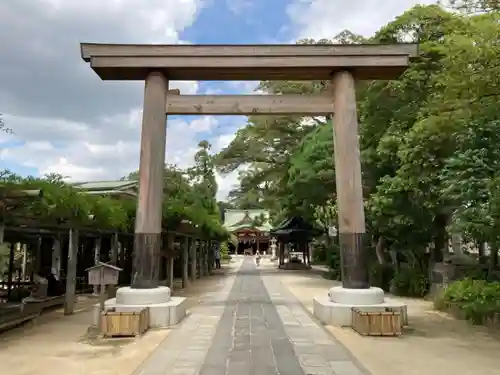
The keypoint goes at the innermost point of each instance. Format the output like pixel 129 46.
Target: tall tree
pixel 475 6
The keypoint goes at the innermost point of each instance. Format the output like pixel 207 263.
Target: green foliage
pixel 473 6
pixel 381 276
pixel 189 196
pixel 60 203
pixel 109 213
pixel 311 176
pixel 319 253
pixel 410 282
pixel 476 299
pixel 224 252
pixel 204 210
pixel 333 261
pixel 429 143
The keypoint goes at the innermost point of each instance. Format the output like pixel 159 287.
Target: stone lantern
pixel 273 248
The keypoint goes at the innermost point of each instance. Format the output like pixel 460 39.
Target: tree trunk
pixel 441 238
pixel 493 259
pixel 380 250
pixel 481 249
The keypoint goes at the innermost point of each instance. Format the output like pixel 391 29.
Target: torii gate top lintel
pixel 248 62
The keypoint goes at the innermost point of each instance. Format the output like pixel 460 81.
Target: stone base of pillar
pixel 164 310
pixel 336 308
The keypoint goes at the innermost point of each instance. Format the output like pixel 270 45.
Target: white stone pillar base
pixel 336 308
pixel 164 310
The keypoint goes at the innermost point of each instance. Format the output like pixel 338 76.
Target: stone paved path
pixel 254 326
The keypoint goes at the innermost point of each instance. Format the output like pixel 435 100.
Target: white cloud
pixel 222 141
pixel 226 183
pixel 74 172
pixel 203 124
pixel 229 181
pixel 326 18
pixel 86 156
pixel 69 121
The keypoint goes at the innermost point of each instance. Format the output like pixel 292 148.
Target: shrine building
pixel 251 228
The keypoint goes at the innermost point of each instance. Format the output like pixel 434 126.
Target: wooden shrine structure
pixel 251 227
pixel 62 250
pixel 298 232
pixel 340 65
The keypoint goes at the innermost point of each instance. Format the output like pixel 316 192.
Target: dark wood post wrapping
pixel 170 260
pixel 115 245
pixel 185 261
pixel 192 249
pixel 210 257
pixel 97 258
pixel 10 275
pixel 202 258
pixel 351 215
pixel 207 258
pixel 37 261
pixel 56 256
pixel 281 252
pixel 147 238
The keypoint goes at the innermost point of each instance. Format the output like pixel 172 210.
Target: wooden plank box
pixel 382 323
pixel 120 324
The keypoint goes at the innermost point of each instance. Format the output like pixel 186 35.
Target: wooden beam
pixel 248 62
pixel 185 262
pixel 249 105
pixel 89 50
pixel 194 258
pixel 238 62
pixel 248 68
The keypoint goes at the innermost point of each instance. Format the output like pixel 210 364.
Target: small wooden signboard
pixel 103 274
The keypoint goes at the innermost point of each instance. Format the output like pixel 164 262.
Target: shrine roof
pixel 239 219
pixel 293 225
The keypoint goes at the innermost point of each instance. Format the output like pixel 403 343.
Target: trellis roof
pixel 110 188
pixel 106 185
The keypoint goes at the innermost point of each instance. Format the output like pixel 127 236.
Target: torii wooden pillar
pixel 351 214
pixel 148 228
pixel 341 64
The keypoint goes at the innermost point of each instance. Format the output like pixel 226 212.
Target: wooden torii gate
pixel 342 65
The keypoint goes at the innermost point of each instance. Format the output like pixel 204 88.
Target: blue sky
pixel 242 21
pixel 237 22
pixel 66 120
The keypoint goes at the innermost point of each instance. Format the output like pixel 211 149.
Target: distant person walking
pixel 217 257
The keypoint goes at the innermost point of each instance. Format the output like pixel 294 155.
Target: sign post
pixel 103 274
